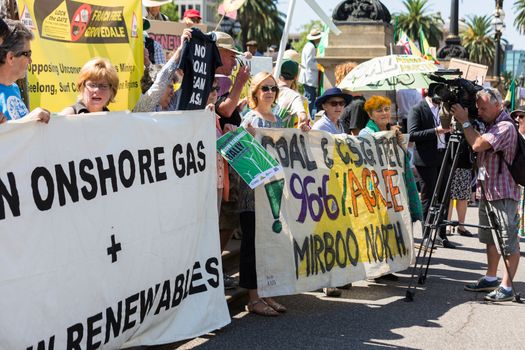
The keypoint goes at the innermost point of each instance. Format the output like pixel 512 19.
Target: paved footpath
pixel 375 315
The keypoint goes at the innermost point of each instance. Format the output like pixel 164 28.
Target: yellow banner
pixel 70 33
pixel 339 214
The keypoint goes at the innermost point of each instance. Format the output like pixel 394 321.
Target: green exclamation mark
pixel 274 191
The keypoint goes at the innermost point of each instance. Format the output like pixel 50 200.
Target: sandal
pixel 259 307
pixel 275 305
pixel 465 233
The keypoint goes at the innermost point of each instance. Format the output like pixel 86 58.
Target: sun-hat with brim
pixel 314 34
pixel 225 41
pixel 332 92
pixel 153 3
pixel 515 112
pixel 192 13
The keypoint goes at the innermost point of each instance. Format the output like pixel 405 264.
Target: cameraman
pixel 500 192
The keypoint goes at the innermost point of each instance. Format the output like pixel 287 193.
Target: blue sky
pixel 303 14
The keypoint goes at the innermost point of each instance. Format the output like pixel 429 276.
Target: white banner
pixel 339 214
pixel 108 231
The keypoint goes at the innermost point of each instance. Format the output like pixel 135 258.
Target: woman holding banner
pixel 263 94
pixel 98 85
pixel 15 57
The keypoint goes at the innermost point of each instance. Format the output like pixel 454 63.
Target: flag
pixel 511 95
pixel 409 45
pixel 425 47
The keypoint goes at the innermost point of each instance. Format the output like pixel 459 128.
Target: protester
pixel 332 103
pixel 309 75
pixel 519 116
pixel 15 57
pixel 263 95
pixel 251 46
pixel 153 9
pixel 191 17
pixel 496 189
pixel 406 99
pixel 424 127
pixel 273 51
pixel 290 102
pixel 154 54
pixel 98 86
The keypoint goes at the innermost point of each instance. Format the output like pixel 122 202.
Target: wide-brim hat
pixel 154 3
pixel 332 92
pixel 314 34
pixel 516 111
pixel 293 55
pixel 225 41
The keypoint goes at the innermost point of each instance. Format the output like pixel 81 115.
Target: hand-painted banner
pixel 70 33
pixel 109 231
pixel 339 214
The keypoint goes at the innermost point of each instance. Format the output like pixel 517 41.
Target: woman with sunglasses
pixel 332 103
pixel 15 57
pixel 261 100
pixel 98 84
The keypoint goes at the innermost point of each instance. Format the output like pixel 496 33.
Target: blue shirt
pixel 11 103
pixel 325 124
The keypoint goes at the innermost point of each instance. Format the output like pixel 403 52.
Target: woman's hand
pixel 304 126
pixel 229 127
pixel 186 35
pixel 39 114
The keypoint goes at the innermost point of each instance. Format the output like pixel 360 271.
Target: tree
pixel 519 9
pixel 261 21
pixel 416 17
pixel 478 39
pixel 171 11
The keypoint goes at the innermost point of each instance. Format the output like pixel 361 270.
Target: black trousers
pixel 429 176
pixel 247 270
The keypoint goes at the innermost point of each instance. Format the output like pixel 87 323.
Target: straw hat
pixel 314 34
pixel 225 41
pixel 154 3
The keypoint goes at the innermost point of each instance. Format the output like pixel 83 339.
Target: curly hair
pixel 256 84
pixel 376 102
pixel 341 70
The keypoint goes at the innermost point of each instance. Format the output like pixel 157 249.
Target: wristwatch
pixel 466 124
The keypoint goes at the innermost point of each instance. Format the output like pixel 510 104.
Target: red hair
pixel 376 102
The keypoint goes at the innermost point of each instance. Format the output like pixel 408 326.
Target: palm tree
pixel 260 20
pixel 519 22
pixel 416 17
pixel 478 39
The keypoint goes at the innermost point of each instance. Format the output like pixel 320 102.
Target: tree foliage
pixel 261 21
pixel 478 39
pixel 417 16
pixel 519 9
pixel 171 11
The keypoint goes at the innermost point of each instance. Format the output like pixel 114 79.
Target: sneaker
pixel 445 243
pixel 499 294
pixel 332 292
pixel 229 282
pixel 482 285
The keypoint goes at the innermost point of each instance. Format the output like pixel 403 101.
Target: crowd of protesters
pixel 290 101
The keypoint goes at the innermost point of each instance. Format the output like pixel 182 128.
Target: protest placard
pixel 70 33
pixel 109 231
pixel 168 33
pixel 339 214
pixel 257 64
pixel 247 157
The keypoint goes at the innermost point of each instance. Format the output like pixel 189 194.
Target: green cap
pixel 289 69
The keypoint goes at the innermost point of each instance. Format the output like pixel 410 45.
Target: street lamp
pixel 498 25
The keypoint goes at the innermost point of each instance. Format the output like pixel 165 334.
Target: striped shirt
pixel 498 182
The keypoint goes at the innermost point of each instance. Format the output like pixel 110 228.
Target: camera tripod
pixel 437 217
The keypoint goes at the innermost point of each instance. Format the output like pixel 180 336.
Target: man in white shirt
pixel 309 74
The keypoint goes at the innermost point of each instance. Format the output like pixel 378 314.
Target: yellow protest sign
pixel 339 214
pixel 67 34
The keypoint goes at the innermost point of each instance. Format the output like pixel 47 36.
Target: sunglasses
pixel 24 53
pixel 267 88
pixel 215 88
pixel 337 103
pixel 102 86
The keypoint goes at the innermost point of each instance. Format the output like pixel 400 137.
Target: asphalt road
pixel 376 315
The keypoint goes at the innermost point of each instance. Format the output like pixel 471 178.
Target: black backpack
pixel 517 166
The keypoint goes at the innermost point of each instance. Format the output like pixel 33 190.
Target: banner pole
pixel 284 40
pixel 218 24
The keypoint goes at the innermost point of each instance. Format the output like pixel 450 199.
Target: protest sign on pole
pixel 168 34
pixel 67 34
pixel 247 157
pixel 109 231
pixel 339 214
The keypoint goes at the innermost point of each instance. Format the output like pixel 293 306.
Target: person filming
pixel 495 188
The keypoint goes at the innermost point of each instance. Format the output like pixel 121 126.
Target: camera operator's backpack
pixel 517 166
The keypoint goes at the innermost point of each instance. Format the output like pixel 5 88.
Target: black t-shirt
pixel 234 118
pixel 199 59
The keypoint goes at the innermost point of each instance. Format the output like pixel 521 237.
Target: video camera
pixel 456 90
